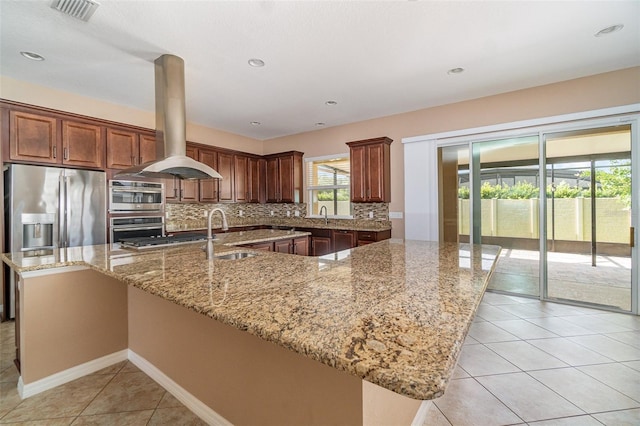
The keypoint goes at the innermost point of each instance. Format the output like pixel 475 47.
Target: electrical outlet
pixel 297 213
pixel 288 213
pixel 240 213
pixel 204 213
pixel 370 215
pixel 272 213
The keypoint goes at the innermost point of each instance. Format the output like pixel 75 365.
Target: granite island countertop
pixel 394 313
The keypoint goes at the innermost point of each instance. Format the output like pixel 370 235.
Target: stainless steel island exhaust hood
pixel 171 128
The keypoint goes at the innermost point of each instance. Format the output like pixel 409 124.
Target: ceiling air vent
pixel 79 9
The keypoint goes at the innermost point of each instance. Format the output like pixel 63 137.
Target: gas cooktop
pixel 157 242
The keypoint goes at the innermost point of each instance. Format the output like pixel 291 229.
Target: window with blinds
pixel 328 184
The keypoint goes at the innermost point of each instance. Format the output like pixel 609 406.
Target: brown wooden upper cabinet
pixel 208 187
pixel 48 140
pixel 284 177
pixel 126 148
pixel 370 170
pixel 239 173
pixel 184 190
pixel 256 169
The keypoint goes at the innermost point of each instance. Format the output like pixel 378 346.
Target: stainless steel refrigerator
pixel 50 207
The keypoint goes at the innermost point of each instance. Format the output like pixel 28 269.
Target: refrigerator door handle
pixel 67 216
pixel 62 223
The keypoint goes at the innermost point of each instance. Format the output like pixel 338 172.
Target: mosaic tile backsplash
pixel 191 216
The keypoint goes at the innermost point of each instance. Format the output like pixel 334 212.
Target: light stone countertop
pixel 394 313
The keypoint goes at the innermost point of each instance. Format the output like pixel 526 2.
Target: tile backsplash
pixel 186 216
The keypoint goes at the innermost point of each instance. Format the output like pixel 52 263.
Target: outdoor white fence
pixel 571 220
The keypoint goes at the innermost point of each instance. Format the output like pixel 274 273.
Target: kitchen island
pixel 275 338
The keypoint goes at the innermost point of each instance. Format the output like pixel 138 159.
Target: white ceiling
pixel 373 58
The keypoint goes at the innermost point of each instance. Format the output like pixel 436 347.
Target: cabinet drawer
pixel 367 235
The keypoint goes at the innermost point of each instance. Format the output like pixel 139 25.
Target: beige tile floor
pixel 538 363
pixel 118 395
pixel 523 362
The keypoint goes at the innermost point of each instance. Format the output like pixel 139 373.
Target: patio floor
pixel 570 277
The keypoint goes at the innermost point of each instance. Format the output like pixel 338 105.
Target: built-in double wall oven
pixel 136 209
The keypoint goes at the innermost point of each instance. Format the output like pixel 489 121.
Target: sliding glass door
pixel 588 253
pixel 505 186
pixel 558 202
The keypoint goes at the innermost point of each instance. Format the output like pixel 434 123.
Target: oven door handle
pixel 143 191
pixel 135 227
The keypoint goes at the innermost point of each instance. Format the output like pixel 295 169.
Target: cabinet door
pixel 273 181
pixel 147 149
pixel 375 170
pixel 171 189
pixel 320 246
pixel 122 149
pixel 301 246
pixel 282 246
pixel 254 180
pixel 209 187
pixel 189 188
pixel 358 174
pixel 33 138
pixel 241 188
pixel 343 240
pixel 82 145
pixel 225 185
pixel 286 179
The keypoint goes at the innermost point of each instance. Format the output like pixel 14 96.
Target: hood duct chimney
pixel 171 128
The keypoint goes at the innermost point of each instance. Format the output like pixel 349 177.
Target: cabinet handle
pixel 175 192
pixel 632 237
pixel 133 160
pixel 65 153
pixel 181 193
pixel 55 151
pixel 139 160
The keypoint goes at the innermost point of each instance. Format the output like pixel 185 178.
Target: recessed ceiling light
pixel 331 103
pixel 255 123
pixel 255 62
pixel 455 71
pixel 32 56
pixel 320 124
pixel 609 30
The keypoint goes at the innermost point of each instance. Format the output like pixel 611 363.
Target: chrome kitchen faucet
pixel 225 227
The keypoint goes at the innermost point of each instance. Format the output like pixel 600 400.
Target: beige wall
pixel 28 93
pixel 92 323
pixel 583 94
pixel 243 378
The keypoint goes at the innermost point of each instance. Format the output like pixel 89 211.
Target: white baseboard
pixel 421 414
pixel 191 402
pixel 70 374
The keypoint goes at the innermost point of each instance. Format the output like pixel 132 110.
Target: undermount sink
pixel 235 256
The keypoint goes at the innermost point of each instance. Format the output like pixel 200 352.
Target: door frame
pixel 472 136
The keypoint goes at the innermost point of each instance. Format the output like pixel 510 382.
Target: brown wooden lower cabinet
pixel 299 246
pixel 268 246
pixel 368 237
pixel 321 241
pixel 344 239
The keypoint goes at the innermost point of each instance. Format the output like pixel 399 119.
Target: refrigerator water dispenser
pixel 37 231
